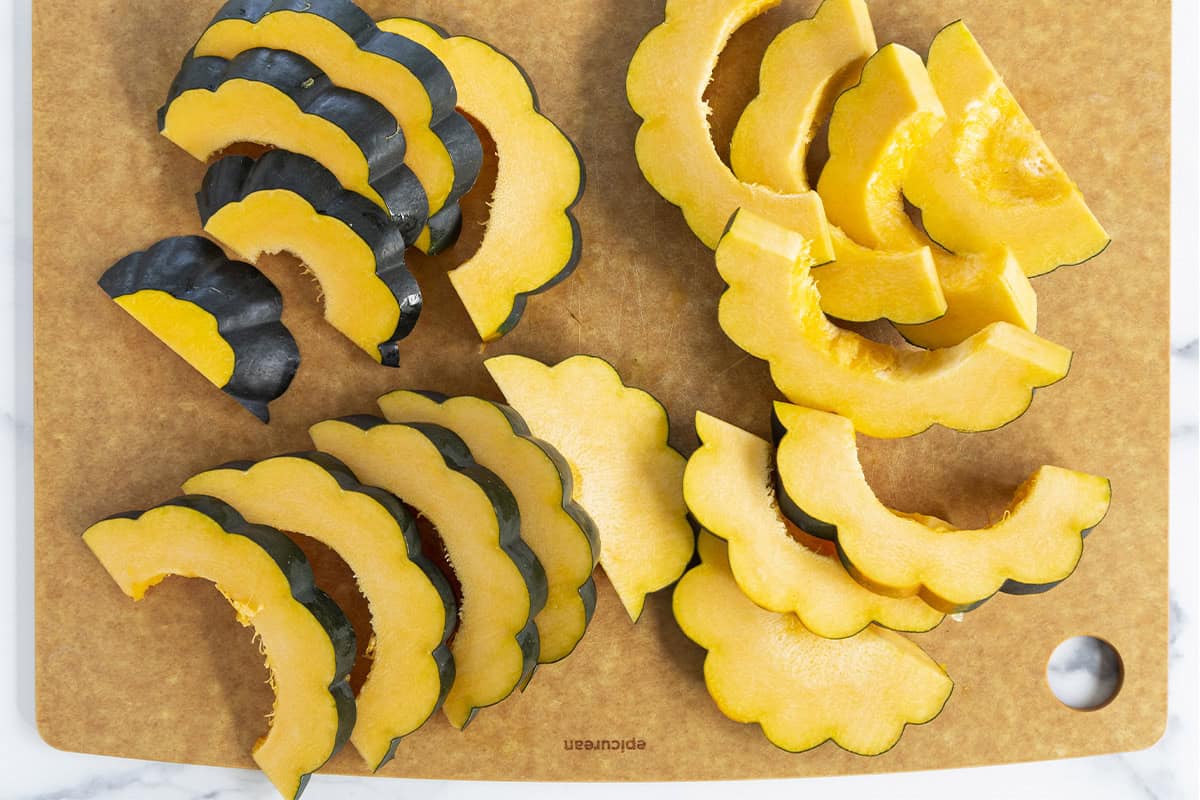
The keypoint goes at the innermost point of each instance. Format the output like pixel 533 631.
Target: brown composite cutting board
pixel 121 422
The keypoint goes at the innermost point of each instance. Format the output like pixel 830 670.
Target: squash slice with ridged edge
pixel 411 603
pixel 987 179
pixel 772 311
pixel 343 41
pixel 729 489
pixel 803 689
pixel 614 438
pixel 556 528
pixel 532 241
pixel 502 584
pixel 308 642
pixel 876 130
pixel 1038 542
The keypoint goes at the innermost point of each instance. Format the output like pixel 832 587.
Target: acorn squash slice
pixel 729 489
pixel 286 201
pixel 821 488
pixel 411 603
pixel 614 437
pixel 532 241
pixel 876 130
pixel 280 99
pixel 308 642
pixel 502 584
pixel 803 689
pixel 665 84
pixel 556 528
pixel 987 179
pixel 772 311
pixel 407 79
pixel 220 316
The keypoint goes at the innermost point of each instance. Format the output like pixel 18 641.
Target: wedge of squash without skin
pixel 280 99
pixel 1037 543
pixel 308 643
pixel 532 241
pixel 728 487
pixel 412 606
pixel 630 480
pixel 286 201
pixel 220 316
pixel 503 585
pixel 408 80
pixel 987 179
pixel 772 311
pixel 804 690
pixel 556 528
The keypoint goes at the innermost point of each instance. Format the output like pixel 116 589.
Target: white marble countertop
pixel 34 771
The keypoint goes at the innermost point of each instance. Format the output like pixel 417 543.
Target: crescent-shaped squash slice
pixel 286 201
pixel 987 179
pixel 665 84
pixel 532 240
pixel 556 528
pixel 803 689
pixel 220 316
pixel 728 487
pixel 411 603
pixel 408 80
pixel 772 311
pixel 821 488
pixel 876 130
pixel 280 99
pixel 308 643
pixel 502 584
pixel 615 439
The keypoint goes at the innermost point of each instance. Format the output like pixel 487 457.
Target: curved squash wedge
pixel 532 241
pixel 665 85
pixel 286 201
pixel 804 690
pixel 876 130
pixel 308 643
pixel 615 439
pixel 863 285
pixel 728 488
pixel 220 316
pixel 772 311
pixel 1038 542
pixel 987 179
pixel 412 606
pixel 342 41
pixel 503 586
pixel 556 528
pixel 280 99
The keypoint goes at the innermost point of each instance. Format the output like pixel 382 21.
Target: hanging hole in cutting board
pixel 1085 673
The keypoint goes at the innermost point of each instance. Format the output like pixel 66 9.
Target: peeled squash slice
pixel 1037 543
pixel 803 689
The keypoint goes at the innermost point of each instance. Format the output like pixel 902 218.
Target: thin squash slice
pixel 987 179
pixel 287 201
pixel 729 489
pixel 630 480
pixel 408 80
pixel 1037 543
pixel 772 311
pixel 220 316
pixel 308 642
pixel 532 241
pixel 412 606
pixel 556 528
pixel 803 689
pixel 502 584
pixel 875 132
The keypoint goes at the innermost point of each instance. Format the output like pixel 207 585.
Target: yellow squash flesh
pixel 184 327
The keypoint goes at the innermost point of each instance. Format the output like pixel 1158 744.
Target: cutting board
pixel 121 422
